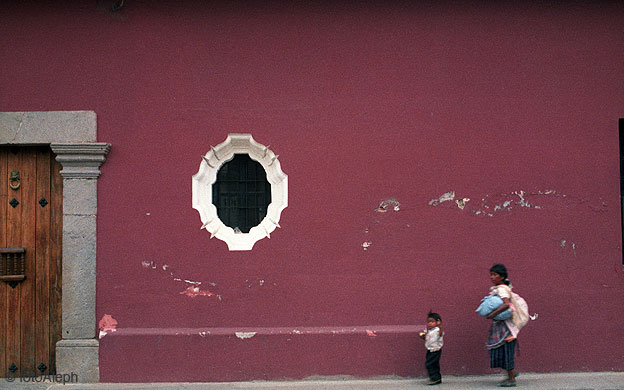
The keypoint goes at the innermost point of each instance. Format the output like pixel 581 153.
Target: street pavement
pixel 558 381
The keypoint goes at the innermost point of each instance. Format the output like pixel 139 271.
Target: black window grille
pixel 241 193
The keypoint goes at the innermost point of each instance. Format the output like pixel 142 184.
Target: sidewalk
pixel 558 381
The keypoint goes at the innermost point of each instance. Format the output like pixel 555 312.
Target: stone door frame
pixel 72 136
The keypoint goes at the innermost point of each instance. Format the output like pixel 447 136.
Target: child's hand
pixel 422 334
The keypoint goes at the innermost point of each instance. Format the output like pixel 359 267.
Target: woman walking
pixel 502 337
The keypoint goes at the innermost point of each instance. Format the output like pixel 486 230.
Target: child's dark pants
pixel 432 363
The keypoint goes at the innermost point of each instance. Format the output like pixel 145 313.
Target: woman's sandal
pixel 507 383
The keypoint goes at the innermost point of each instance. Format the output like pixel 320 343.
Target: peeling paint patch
pixel 385 204
pixel 461 203
pixel 245 335
pixel 148 264
pixel 253 283
pixel 492 205
pixel 204 334
pixel 107 324
pixel 570 244
pixel 447 196
pixel 371 333
pixel 193 291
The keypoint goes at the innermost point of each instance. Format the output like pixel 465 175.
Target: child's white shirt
pixel 434 340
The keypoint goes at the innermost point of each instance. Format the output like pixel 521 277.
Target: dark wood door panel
pixel 31 218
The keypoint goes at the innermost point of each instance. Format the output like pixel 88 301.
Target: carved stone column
pixel 77 351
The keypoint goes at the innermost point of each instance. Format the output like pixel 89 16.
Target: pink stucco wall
pixel 363 103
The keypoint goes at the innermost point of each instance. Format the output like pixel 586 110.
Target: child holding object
pixel 433 342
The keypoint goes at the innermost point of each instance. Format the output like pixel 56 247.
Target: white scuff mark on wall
pixel 189 281
pixel 245 335
pixel 534 317
pixel 366 245
pixel 447 196
pixel 204 334
pixel 371 333
pixel 17 131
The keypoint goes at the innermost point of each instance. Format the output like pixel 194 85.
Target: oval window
pixel 241 193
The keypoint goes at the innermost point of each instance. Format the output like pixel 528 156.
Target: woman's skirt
pixel 503 356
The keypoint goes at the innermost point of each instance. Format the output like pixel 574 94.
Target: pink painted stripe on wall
pixel 268 331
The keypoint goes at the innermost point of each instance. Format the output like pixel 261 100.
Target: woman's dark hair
pixel 502 271
pixel 435 316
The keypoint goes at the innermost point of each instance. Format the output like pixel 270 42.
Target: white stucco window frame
pixel 207 175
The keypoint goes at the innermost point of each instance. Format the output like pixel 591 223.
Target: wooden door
pixel 30 218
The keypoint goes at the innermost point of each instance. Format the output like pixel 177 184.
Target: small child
pixel 433 342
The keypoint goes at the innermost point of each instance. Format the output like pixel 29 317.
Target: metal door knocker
pixel 14 178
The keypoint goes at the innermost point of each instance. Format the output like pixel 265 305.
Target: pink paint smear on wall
pixel 193 291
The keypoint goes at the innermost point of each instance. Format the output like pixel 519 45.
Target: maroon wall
pixel 363 103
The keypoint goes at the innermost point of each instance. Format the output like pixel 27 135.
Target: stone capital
pixel 81 160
